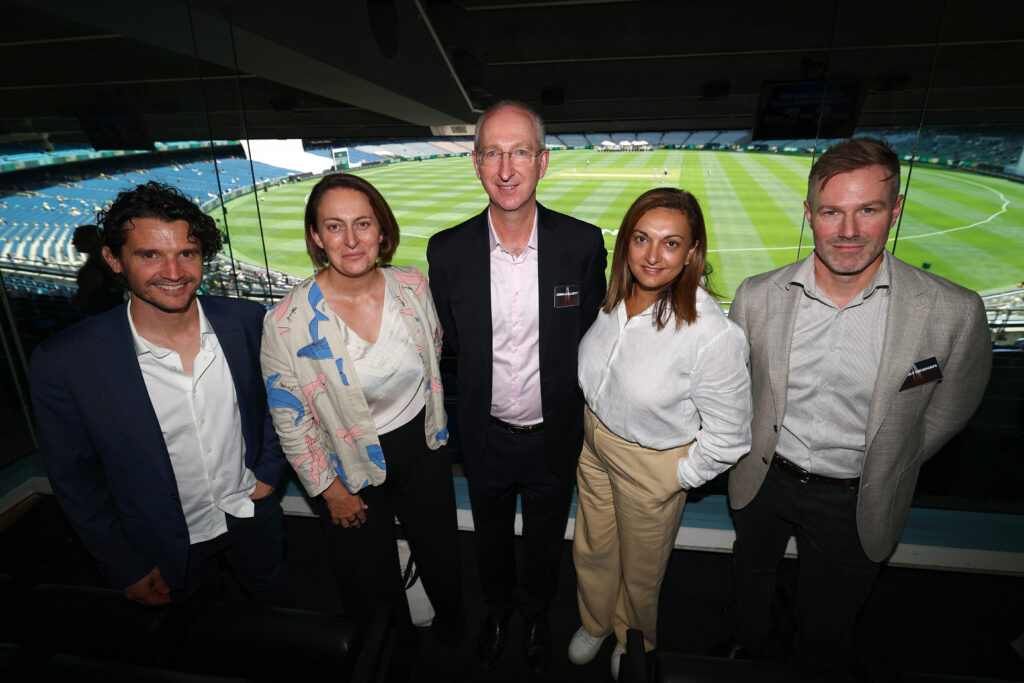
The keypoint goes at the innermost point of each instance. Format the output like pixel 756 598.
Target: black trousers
pixel 420 491
pixel 515 465
pixel 253 548
pixel 834 576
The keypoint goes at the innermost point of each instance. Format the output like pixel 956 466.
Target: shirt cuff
pixel 686 473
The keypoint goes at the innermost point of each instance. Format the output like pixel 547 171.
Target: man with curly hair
pixel 153 421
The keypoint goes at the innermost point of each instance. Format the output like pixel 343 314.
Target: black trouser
pixel 516 464
pixel 253 547
pixel 420 491
pixel 834 575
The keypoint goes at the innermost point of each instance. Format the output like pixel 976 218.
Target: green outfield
pixel 970 228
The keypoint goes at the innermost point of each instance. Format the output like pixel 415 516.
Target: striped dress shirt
pixel 833 362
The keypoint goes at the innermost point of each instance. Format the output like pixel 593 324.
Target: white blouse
pixel 390 370
pixel 663 389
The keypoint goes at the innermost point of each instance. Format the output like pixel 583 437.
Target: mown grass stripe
pixel 750 201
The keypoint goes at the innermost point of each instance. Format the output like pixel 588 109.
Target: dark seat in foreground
pixel 86 633
pixel 668 667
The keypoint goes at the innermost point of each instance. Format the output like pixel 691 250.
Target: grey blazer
pixel 927 316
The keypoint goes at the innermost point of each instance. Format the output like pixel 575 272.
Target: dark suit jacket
pixel 103 447
pixel 570 252
pixel 927 317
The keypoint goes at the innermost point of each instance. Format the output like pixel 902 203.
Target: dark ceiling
pixel 175 70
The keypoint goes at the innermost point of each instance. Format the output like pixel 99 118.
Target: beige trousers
pixel 627 517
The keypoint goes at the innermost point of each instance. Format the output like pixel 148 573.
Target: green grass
pixel 970 228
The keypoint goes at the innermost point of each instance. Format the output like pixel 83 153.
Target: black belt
pixel 517 429
pixel 805 477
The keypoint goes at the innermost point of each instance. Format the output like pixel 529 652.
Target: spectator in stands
pixel 514 319
pixel 862 368
pixel 152 422
pixel 664 375
pixel 98 288
pixel 351 361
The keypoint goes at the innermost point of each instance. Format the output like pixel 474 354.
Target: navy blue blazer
pixel 102 444
pixel 569 252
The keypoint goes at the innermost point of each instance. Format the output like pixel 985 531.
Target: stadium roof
pixel 394 68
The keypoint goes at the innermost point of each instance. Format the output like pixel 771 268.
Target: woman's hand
pixel 347 509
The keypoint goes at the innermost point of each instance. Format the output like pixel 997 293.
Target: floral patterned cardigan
pixel 315 398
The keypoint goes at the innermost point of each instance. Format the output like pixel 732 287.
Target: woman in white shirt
pixel 350 359
pixel 664 375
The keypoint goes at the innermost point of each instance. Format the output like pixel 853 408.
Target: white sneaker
pixel 616 656
pixel 583 647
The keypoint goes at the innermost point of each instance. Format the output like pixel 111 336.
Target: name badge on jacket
pixel 567 296
pixel 923 372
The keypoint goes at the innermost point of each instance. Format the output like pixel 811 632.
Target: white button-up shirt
pixel 665 388
pixel 199 418
pixel 390 370
pixel 515 325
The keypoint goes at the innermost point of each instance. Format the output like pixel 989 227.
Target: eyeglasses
pixel 492 157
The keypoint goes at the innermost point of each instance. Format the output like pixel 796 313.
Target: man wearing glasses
pixel 516 287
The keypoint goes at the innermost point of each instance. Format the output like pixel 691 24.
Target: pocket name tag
pixel 923 372
pixel 567 296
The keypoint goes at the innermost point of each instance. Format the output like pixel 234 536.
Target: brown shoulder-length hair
pixel 381 211
pixel 678 299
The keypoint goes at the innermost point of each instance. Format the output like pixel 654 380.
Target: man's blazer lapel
pixel 129 396
pixel 478 274
pixel 780 315
pixel 549 262
pixel 905 325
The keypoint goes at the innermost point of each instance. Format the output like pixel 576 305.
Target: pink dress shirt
pixel 515 323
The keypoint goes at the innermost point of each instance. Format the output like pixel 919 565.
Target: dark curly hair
pixel 162 202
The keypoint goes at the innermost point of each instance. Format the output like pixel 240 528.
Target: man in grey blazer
pixel 862 368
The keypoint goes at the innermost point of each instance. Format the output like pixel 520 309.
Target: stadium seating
pixel 733 137
pixel 701 137
pixel 376 150
pixel 320 152
pixel 38 221
pixel 424 148
pixel 675 138
pixel 652 137
pixel 29 151
pixel 228 278
pixel 361 154
pixel 454 145
pixel 994 145
pixel 574 140
pixel 38 217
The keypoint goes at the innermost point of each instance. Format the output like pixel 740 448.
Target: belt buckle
pixel 513 428
pixel 793 470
